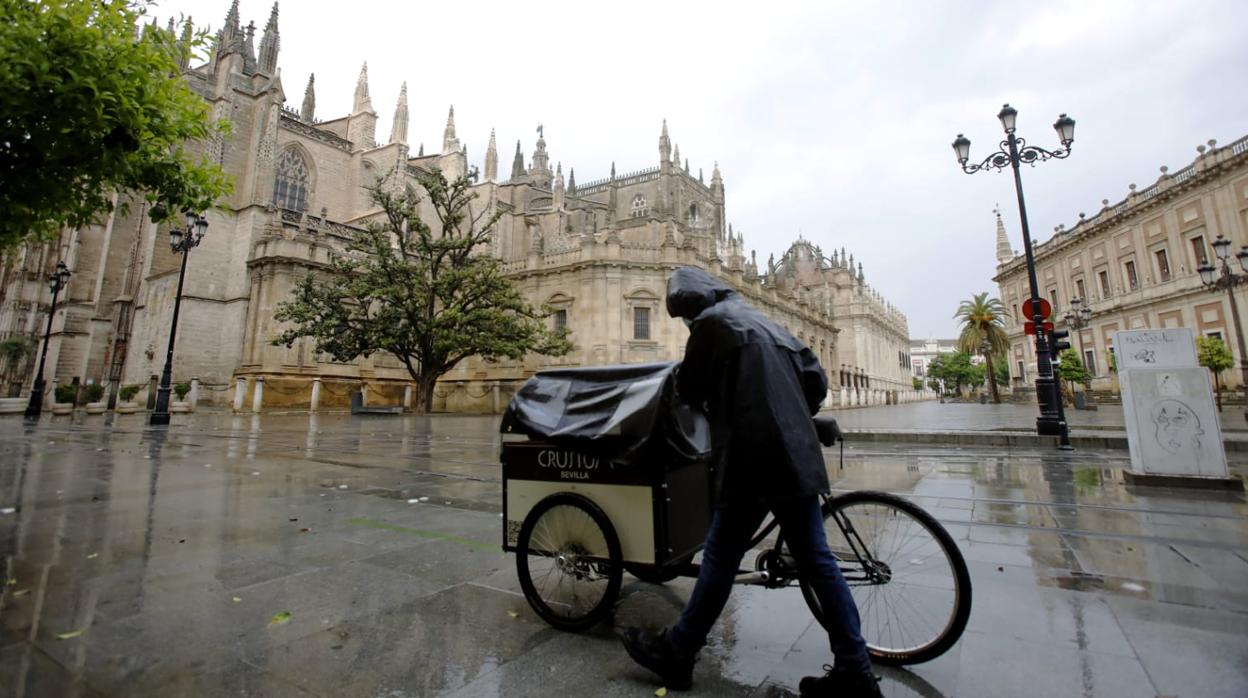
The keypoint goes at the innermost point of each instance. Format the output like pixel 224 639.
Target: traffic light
pixel 1058 345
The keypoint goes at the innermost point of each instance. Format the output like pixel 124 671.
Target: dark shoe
pixel 841 683
pixel 658 654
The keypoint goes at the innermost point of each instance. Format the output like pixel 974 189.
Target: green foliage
pixel 1001 370
pixel 956 370
pixel 66 394
pixel 95 392
pixel 1212 353
pixel 128 392
pixel 1111 360
pixel 90 110
pixel 916 382
pixel 181 389
pixel 1072 369
pixel 16 348
pixel 983 332
pixel 430 298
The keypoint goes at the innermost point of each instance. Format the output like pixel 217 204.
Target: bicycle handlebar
pixel 828 430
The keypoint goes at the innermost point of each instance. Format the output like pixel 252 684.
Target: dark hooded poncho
pixel 760 386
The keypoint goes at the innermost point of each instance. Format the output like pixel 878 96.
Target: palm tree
pixel 983 332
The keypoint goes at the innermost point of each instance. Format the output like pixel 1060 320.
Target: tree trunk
pixel 422 401
pixel 992 378
pixel 1217 390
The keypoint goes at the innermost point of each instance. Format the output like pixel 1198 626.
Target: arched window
pixel 290 188
pixel 693 214
pixel 639 206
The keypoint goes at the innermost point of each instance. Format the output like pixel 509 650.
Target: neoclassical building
pixel 1134 263
pixel 597 252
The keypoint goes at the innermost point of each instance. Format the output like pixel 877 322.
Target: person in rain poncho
pixel 760 387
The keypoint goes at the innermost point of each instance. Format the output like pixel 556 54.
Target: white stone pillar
pixel 257 400
pixel 194 396
pixel 496 398
pixel 240 394
pixel 844 397
pixel 407 397
pixel 316 395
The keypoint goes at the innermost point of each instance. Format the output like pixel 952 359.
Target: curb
pixel 1016 440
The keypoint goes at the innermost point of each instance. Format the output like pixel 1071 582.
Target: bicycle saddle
pixel 828 430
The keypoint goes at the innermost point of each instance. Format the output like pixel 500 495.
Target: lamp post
pixel 57 280
pixel 179 241
pixel 1229 280
pixel 1077 317
pixel 1014 152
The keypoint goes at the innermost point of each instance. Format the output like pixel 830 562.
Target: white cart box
pixel 1167 401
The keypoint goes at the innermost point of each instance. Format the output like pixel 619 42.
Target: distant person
pixel 760 387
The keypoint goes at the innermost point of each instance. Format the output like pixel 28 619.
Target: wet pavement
pixel 326 555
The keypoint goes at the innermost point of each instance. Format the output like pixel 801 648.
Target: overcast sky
pixel 830 120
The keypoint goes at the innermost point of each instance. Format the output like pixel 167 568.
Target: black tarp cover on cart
pixel 623 413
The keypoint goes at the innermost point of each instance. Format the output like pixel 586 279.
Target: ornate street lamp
pixel 1015 151
pixel 57 280
pixel 179 241
pixel 1077 317
pixel 1228 280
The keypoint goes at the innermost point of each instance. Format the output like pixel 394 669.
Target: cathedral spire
pixel 491 160
pixel 398 131
pixel 557 189
pixel 270 44
pixel 517 164
pixel 1004 252
pixel 362 102
pixel 676 157
pixel 665 146
pixel 308 112
pixel 572 181
pixel 450 143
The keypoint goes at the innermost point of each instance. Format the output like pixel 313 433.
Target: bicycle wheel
pixel 569 562
pixel 906 574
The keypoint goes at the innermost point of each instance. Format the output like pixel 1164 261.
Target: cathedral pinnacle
pixel 517 164
pixel 665 145
pixel 249 50
pixel 308 112
pixel 398 131
pixel 450 143
pixel 572 181
pixel 676 157
pixel 362 102
pixel 270 44
pixel 1004 252
pixel 491 159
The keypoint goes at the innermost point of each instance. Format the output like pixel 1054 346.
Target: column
pixel 257 400
pixel 316 395
pixel 240 394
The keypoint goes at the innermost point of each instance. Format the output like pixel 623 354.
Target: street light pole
pixel 1229 280
pixel 1015 152
pixel 57 280
pixel 196 226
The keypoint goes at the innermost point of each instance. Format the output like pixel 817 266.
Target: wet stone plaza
pixel 330 555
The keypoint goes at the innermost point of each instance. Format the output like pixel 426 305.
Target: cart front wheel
pixel 569 562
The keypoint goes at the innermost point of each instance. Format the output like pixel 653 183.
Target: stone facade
pixel 1135 264
pixel 597 253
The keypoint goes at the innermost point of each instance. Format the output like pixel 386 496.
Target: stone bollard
pixel 257 399
pixel 407 398
pixel 240 394
pixel 193 397
pixel 316 395
pixel 495 397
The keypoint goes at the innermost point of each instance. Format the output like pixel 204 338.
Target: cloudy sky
pixel 830 120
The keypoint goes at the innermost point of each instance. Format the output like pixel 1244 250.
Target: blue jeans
pixel 801 521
